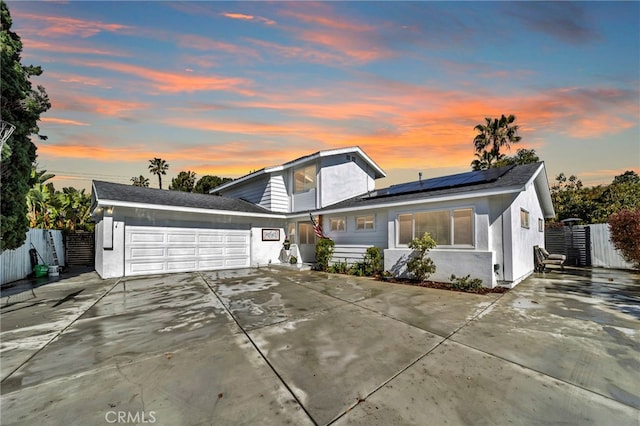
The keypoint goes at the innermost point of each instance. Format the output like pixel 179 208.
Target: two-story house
pixel 486 223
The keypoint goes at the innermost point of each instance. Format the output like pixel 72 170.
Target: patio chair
pixel 543 258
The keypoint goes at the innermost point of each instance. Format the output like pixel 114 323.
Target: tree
pixel 523 156
pixel 47 208
pixel 185 181
pixel 159 167
pixel 594 204
pixel 21 105
pixel 625 229
pixel 494 135
pixel 208 182
pixel 140 181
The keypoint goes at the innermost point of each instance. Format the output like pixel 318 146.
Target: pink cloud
pixel 60 26
pixel 244 17
pixel 31 44
pixel 171 82
pixel 63 121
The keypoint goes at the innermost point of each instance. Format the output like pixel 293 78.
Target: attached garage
pixel 156 250
pixel 144 231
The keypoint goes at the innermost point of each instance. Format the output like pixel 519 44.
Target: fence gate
pixel 80 249
pixel 572 241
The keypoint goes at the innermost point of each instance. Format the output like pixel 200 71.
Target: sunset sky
pixel 226 88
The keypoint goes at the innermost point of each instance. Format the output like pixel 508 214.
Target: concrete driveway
pixel 283 346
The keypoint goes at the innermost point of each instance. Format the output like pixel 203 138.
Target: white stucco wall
pixel 524 239
pixel 477 263
pixel 341 179
pixel 109 263
pixel 265 252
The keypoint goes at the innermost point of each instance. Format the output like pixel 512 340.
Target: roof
pixel 379 173
pixel 499 180
pixel 107 193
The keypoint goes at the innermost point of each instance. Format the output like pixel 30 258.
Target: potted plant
pixel 286 244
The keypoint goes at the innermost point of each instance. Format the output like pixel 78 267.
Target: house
pixel 486 223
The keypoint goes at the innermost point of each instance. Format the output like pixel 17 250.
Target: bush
pixel 373 261
pixel 339 267
pixel 625 232
pixel 465 283
pixel 324 253
pixel 421 266
pixel 293 260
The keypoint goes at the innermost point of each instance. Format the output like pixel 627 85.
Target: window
pixel 524 218
pixel 437 224
pixel 447 227
pixel 540 225
pixel 304 178
pixel 338 224
pixel 307 234
pixel 365 223
pixel 462 227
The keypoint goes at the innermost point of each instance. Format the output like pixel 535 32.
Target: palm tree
pixel 140 181
pixel 495 134
pixel 158 167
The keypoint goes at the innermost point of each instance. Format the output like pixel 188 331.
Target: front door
pixel 307 242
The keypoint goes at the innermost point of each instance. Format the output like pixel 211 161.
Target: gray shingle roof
pixel 516 176
pixel 136 194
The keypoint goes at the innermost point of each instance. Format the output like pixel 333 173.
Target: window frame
pixel 365 221
pixel 338 219
pixel 305 187
pixel 451 211
pixel 525 218
pixel 540 225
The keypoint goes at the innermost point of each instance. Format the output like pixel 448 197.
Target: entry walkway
pixel 274 346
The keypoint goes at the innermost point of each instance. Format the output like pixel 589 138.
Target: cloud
pixel 196 42
pixel 62 121
pixel 32 44
pixel 565 21
pixel 96 105
pixel 59 26
pixel 171 82
pixel 353 41
pixel 244 17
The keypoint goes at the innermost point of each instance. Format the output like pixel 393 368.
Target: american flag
pixel 317 228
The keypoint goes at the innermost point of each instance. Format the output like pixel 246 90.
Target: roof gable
pixel 378 172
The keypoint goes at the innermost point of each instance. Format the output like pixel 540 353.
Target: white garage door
pixel 155 250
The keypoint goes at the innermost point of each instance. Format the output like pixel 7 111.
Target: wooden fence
pixel 603 253
pixel 585 245
pixel 16 264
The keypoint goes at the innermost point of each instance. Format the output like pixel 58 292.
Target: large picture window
pixel 446 227
pixel 304 178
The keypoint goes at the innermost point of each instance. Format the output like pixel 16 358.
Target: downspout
pixel 503 257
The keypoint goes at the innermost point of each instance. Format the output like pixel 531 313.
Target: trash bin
pixel 33 256
pixel 41 270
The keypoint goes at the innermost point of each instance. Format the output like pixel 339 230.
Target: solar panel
pixel 444 182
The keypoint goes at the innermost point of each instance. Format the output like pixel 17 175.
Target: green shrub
pixel 358 269
pixel 420 265
pixel 339 267
pixel 465 283
pixel 293 260
pixel 373 261
pixel 324 253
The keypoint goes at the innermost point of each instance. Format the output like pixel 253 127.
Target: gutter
pixel 114 203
